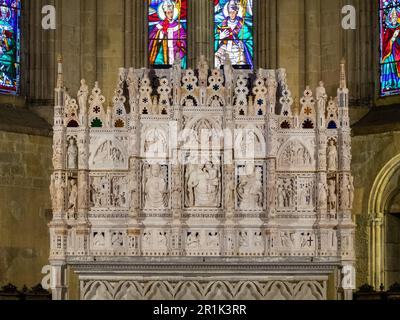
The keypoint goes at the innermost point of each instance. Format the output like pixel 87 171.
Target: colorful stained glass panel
pixel 233 32
pixel 10 43
pixel 390 47
pixel 167 23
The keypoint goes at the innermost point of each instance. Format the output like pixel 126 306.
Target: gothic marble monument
pixel 202 184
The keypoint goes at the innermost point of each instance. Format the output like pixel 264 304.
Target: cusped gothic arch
pixel 190 100
pixel 108 153
pixel 378 204
pixel 250 142
pixel 295 155
pixel 97 290
pixel 154 141
pixel 216 100
pixel 198 128
pixel 377 199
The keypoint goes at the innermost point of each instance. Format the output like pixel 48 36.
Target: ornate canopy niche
pixel 202 184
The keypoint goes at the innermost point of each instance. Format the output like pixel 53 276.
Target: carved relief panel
pixel 250 187
pixel 108 153
pixel 155 186
pixel 109 191
pixel 203 185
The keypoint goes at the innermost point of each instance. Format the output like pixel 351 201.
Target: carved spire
pixel 60 76
pixel 343 83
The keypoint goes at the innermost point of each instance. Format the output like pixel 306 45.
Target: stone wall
pixel 25 163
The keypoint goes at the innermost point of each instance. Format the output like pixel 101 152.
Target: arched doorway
pixel 384 232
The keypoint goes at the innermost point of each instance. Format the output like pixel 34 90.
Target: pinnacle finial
pixel 60 77
pixel 343 84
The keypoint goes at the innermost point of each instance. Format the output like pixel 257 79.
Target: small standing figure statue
pixel 72 155
pixel 177 70
pixel 230 193
pixel 332 156
pixel 332 195
pixel 73 200
pixel 351 192
pixel 83 94
pixel 322 195
pixel 202 66
pixel 228 71
pixel 321 95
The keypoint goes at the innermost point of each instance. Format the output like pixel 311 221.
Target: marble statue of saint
pixel 230 194
pixel 93 195
pixel 83 94
pixel 332 195
pixel 177 71
pixel 351 191
pixel 322 195
pixel 250 189
pixel 60 193
pixel 202 66
pixel 83 193
pixel 228 71
pixel 271 195
pixel 332 156
pixel 281 197
pixel 321 96
pixel 53 192
pixel 288 193
pixel 72 153
pixel 155 189
pixel 203 186
pixel 73 199
pixel 133 85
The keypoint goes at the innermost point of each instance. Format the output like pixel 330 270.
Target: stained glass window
pixel 9 46
pixel 167 22
pixel 390 47
pixel 233 32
